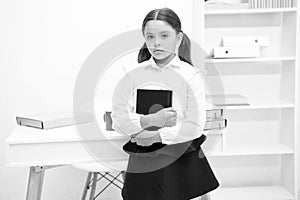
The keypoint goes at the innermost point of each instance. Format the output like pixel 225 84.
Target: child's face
pixel 161 39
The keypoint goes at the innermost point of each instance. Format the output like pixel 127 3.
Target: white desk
pixel 44 149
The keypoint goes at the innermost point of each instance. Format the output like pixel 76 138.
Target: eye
pixel 164 36
pixel 149 37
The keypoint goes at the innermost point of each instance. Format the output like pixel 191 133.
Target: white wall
pixel 42 47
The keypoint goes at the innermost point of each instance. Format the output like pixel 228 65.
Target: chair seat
pixel 102 166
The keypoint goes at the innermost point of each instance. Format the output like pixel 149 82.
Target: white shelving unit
pixel 258 159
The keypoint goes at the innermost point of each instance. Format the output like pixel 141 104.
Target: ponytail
pixel 184 50
pixel 144 54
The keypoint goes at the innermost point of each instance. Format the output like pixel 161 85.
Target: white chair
pixel 104 170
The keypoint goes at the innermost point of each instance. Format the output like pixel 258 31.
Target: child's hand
pixel 171 123
pixel 147 141
pixel 164 117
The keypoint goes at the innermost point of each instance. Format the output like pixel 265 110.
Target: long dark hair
pixel 169 16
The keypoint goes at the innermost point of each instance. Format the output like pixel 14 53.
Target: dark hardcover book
pixel 152 101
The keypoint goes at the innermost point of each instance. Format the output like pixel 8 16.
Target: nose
pixel 157 42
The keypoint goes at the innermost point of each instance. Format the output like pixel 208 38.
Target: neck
pixel 163 62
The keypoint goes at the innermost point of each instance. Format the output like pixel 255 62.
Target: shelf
pixel 251 193
pixel 240 60
pixel 249 11
pixel 278 149
pixel 269 105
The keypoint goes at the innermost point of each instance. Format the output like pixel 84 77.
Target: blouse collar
pixel 175 63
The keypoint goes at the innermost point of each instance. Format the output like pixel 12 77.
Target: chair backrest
pixel 108 121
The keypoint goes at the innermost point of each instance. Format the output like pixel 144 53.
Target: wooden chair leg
pixel 86 186
pixel 93 190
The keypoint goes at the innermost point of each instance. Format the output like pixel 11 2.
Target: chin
pixel 160 57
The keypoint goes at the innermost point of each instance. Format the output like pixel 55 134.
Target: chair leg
pixel 86 186
pixel 93 190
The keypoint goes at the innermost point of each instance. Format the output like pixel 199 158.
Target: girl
pixel 174 171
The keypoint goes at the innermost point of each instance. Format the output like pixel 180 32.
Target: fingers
pixel 171 122
pixel 144 141
pixel 171 113
pixel 171 119
pixel 170 109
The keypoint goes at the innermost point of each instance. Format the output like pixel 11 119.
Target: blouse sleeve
pixel 192 125
pixel 125 120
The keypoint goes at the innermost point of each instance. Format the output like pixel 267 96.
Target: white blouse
pixel 188 88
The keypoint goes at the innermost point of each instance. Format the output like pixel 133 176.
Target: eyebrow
pixel 159 33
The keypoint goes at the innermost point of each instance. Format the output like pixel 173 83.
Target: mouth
pixel 158 51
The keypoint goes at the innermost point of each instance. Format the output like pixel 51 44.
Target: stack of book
pixel 215 119
pixel 240 47
pixel 259 4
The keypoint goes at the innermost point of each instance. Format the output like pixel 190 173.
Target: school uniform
pixel 176 168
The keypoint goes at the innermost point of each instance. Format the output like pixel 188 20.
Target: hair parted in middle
pixel 171 18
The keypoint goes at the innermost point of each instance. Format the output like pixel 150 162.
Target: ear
pixel 179 37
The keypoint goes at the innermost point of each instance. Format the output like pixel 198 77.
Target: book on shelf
pixel 226 6
pixel 212 111
pixel 215 124
pixel 245 41
pixel 263 4
pixel 50 120
pixel 236 52
pixel 214 114
pixel 228 100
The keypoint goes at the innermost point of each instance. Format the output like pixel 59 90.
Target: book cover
pixel 245 41
pixel 152 101
pixel 214 114
pixel 236 52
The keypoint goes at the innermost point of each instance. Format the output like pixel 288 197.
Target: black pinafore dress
pixel 167 172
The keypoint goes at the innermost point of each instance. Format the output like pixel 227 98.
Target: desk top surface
pixel 22 134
